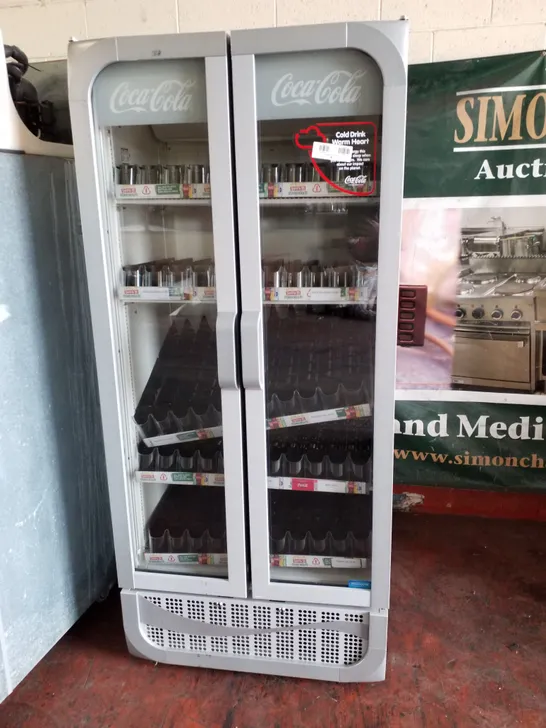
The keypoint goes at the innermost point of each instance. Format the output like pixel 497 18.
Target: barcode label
pixel 343 151
pixel 332 152
pixel 319 148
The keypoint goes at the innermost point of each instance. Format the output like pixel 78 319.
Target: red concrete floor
pixel 467 648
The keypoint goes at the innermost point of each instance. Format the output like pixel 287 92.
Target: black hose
pixel 19 62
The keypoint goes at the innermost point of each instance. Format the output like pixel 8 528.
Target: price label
pixel 332 152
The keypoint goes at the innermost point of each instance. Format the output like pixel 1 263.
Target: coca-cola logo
pixel 337 87
pixel 170 95
pixel 358 180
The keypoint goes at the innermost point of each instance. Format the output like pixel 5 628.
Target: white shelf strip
pixel 186 559
pixel 271 296
pixel 308 485
pixel 156 294
pixel 297 201
pixel 311 485
pixel 313 296
pixel 316 562
pixel 163 194
pixel 180 478
pixel 319 191
pixel 188 436
pixel 309 418
pixel 284 193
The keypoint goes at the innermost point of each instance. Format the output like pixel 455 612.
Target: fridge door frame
pixel 386 43
pixel 98 215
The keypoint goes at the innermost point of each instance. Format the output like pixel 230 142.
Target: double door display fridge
pixel 241 208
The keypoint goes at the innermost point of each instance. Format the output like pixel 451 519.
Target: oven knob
pixel 460 313
pixel 516 314
pixel 497 313
pixel 478 312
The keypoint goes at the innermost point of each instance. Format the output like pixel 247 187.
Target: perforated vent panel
pixel 155 635
pixel 278 630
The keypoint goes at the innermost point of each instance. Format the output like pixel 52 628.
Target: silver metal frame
pixel 386 43
pixel 86 60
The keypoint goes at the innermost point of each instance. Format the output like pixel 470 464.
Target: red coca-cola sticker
pixel 303 484
pixel 352 170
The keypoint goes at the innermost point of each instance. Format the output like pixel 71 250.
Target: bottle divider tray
pixel 341 413
pixel 205 543
pixel 317 463
pixel 336 465
pixel 349 547
pixel 204 458
pixel 154 417
pixel 308 381
pixel 185 542
pixel 191 520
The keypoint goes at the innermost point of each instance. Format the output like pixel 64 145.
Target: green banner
pixel 470 444
pixel 477 127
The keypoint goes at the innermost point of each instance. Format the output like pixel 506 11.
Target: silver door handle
pixel 225 342
pixel 252 349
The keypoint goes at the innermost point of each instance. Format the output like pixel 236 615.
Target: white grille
pixel 239 615
pixel 197 643
pixel 241 645
pixel 176 606
pixel 285 640
pixel 352 649
pixel 219 644
pixel 196 610
pixel 157 600
pixel 176 640
pixel 218 613
pixel 329 649
pixel 354 617
pixel 304 646
pixel 155 635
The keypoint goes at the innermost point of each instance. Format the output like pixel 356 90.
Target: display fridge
pixel 241 205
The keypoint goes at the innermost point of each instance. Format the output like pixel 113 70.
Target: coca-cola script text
pixel 337 87
pixel 358 180
pixel 170 95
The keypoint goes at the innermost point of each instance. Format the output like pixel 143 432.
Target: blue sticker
pixel 358 584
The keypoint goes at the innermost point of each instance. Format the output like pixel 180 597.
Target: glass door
pixel 164 133
pixel 318 130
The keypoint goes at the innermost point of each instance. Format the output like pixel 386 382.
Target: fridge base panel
pixel 273 638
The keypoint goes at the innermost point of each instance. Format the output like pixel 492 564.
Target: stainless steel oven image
pixel 500 313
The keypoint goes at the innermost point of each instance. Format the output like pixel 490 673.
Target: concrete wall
pixel 441 29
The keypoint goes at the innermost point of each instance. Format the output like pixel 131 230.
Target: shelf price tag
pixel 332 152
